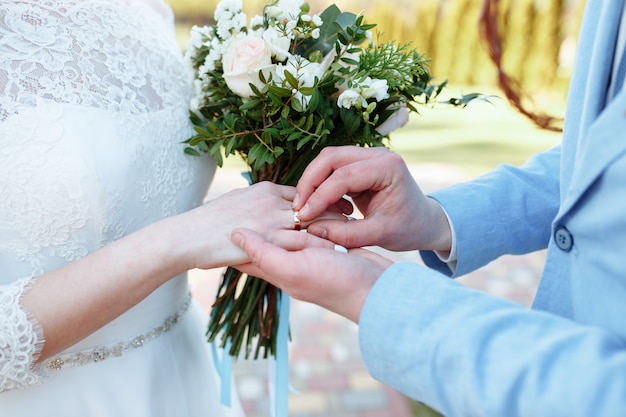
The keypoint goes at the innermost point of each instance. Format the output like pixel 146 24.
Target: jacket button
pixel 563 238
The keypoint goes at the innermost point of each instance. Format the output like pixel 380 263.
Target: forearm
pixel 75 300
pixel 467 353
pixel 513 214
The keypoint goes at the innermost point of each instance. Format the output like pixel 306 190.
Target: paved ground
pixel 325 363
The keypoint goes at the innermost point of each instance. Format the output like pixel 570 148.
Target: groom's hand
pixel 311 269
pixel 396 214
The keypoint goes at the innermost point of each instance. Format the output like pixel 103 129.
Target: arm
pixel 467 353
pixel 72 301
pixel 512 216
pixel 459 350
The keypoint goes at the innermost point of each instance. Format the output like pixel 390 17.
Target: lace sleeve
pixel 21 339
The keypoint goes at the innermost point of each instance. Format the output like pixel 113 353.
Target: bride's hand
pixel 265 207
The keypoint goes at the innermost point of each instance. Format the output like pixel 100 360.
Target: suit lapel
pixel 605 142
pixel 590 128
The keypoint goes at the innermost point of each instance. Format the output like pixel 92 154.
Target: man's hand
pixel 397 215
pixel 312 269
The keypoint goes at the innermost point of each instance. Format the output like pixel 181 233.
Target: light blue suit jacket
pixel 469 354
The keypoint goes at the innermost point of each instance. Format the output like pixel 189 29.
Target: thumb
pixel 246 239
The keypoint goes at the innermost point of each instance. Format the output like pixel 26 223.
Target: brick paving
pixel 326 369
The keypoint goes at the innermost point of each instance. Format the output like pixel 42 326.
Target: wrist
pixel 170 246
pixel 441 239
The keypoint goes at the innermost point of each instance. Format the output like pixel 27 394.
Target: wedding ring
pixel 297 225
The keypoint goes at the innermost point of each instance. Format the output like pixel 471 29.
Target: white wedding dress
pixel 93 110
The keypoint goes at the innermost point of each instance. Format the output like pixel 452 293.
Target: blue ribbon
pixel 224 366
pixel 282 358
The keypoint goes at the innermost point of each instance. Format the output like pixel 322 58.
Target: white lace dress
pixel 93 110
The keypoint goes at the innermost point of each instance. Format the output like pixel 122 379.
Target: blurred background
pixel 441 146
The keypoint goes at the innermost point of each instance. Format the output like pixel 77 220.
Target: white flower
pixel 278 43
pixel 256 25
pixel 317 21
pixel 196 37
pixel 285 10
pixel 351 98
pixel 273 11
pixel 398 119
pixel 242 61
pixel 230 19
pixel 315 34
pixel 305 71
pixel 226 9
pixel 374 88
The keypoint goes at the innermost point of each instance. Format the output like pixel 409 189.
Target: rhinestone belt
pixel 100 353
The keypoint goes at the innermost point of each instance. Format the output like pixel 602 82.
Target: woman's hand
pixel 310 269
pixel 203 234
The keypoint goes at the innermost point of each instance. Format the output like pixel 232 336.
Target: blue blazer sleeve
pixel 489 222
pixel 466 353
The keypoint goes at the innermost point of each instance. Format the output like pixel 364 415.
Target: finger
pixel 350 234
pixel 327 215
pixel 320 168
pixel 357 177
pixel 292 240
pixel 266 259
pixel 285 191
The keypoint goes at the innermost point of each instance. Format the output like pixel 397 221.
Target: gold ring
pixel 297 225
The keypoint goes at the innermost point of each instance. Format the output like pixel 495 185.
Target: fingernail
pixel 296 202
pixel 304 210
pixel 340 248
pixel 238 239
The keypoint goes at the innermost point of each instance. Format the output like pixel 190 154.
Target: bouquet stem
pixel 245 314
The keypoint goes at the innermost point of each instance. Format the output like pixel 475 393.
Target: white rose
pixel 397 120
pixel 278 43
pixel 351 98
pixel 243 58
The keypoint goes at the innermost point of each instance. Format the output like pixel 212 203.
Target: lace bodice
pixel 110 54
pixel 93 109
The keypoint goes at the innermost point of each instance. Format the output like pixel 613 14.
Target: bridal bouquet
pixel 276 90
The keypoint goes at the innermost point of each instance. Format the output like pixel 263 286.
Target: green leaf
pixel 255 152
pixel 302 142
pixel 250 104
pixel 278 151
pixel 293 136
pixel 297 105
pixel 279 91
pixel 275 98
pixel 351 121
pixel 192 152
pixel 335 23
pixel 291 80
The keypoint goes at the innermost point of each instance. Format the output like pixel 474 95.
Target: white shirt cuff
pixel 449 258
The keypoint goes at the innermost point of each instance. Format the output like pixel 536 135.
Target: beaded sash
pixel 100 353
